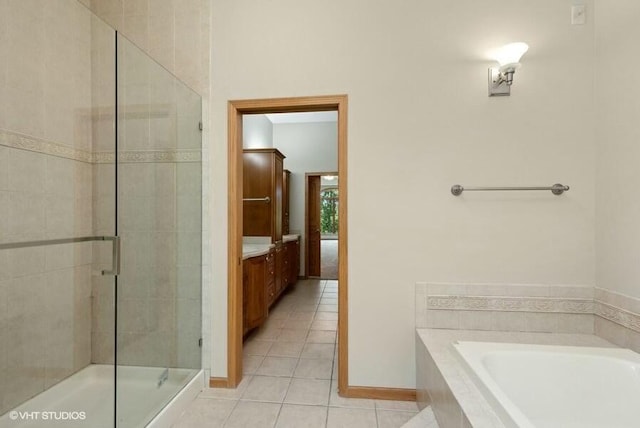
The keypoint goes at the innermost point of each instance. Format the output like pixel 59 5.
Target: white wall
pixel 308 147
pixel 257 132
pixel 419 121
pixel 618 134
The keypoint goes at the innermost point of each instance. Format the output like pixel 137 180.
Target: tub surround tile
pixel 619 309
pixel 510 307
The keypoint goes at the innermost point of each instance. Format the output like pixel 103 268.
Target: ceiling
pixel 316 116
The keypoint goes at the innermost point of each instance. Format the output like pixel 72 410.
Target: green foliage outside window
pixel 329 211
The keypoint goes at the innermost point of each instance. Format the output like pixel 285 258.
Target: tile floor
pixel 329 258
pixel 290 367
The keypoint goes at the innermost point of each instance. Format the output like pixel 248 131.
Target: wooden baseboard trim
pixel 398 394
pixel 218 382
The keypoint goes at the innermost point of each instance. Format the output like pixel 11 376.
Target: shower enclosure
pixel 100 223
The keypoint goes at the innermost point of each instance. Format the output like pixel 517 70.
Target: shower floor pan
pixel 85 399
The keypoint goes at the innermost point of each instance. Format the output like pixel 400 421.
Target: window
pixel 329 211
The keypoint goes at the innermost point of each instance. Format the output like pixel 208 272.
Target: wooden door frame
pixel 235 110
pixel 306 215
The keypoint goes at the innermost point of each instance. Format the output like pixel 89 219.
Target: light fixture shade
pixel 509 55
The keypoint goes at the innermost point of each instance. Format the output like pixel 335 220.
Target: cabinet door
pixel 294 261
pixel 271 278
pixel 257 184
pixel 246 286
pixel 286 197
pixel 278 269
pixel 286 276
pixel 277 206
pixel 255 292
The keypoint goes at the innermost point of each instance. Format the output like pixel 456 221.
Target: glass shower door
pixel 159 222
pixel 57 110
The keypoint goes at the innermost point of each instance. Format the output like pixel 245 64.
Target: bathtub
pixel 546 386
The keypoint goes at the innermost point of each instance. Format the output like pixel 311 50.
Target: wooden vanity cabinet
pixel 262 178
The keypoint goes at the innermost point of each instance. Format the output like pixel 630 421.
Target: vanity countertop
pixel 255 250
pixel 291 237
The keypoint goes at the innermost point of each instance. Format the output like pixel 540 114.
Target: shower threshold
pixel 85 399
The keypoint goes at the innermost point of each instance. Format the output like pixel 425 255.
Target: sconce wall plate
pixel 497 86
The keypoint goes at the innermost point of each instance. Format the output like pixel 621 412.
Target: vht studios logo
pixel 47 416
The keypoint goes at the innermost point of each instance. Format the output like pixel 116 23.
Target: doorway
pixel 322 224
pixel 236 110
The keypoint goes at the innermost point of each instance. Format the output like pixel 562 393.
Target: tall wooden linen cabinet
pixel 262 178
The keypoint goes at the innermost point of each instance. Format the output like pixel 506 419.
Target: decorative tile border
pixel 511 304
pixel 25 142
pixel 15 140
pixel 134 156
pixel 617 308
pixel 619 316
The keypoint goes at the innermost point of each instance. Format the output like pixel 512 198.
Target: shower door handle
pixel 115 242
pixel 115 257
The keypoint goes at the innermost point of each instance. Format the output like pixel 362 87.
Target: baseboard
pixel 218 382
pixel 398 394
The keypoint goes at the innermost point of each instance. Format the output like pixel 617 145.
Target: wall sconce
pixel 501 78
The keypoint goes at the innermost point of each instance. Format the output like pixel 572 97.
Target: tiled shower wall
pixel 57 180
pixel 176 34
pixel 45 193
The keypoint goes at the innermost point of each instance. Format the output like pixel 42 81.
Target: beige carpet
pixel 329 259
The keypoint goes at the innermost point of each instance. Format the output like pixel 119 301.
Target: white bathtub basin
pixel 546 386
